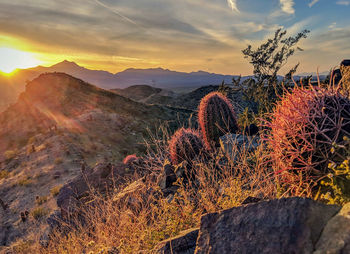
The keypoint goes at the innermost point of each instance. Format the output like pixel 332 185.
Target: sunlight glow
pixel 12 59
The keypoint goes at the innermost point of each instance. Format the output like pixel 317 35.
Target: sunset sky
pixel 183 35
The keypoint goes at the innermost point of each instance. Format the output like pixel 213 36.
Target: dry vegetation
pixel 145 218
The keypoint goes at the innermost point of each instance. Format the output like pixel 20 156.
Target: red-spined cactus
pixel 130 159
pixel 305 126
pixel 216 118
pixel 185 145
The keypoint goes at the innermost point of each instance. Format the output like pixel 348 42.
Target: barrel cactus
pixel 305 126
pixel 185 145
pixel 216 118
pixel 130 159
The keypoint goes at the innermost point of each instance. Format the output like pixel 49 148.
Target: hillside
pixel 189 101
pixel 57 124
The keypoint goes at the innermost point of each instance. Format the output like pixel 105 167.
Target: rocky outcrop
pixel 101 178
pixel 288 225
pixel 185 243
pixel 335 237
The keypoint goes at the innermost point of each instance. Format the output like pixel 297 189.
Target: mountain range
pixel 12 85
pixel 157 77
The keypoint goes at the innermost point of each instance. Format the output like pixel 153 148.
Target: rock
pixel 166 179
pixel 99 179
pixel 185 243
pixel 56 175
pixel 335 237
pixel 54 220
pixel 131 190
pixel 337 76
pixel 288 225
pixel 138 193
pixel 345 62
pixel 231 144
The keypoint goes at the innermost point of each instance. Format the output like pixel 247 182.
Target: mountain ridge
pixel 12 85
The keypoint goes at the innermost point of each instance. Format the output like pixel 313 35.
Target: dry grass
pixel 55 190
pixel 58 161
pixel 26 181
pixel 146 217
pixel 10 154
pixel 4 174
pixel 39 212
pixel 41 200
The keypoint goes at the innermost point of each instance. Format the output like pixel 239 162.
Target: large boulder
pixel 184 243
pixel 288 225
pixel 335 237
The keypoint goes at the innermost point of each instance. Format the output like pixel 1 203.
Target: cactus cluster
pixel 185 145
pixel 305 126
pixel 216 118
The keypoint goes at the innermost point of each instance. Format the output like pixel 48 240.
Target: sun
pixel 12 59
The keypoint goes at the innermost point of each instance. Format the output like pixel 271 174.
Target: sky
pixel 182 35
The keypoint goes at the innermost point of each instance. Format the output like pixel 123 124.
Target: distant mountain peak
pixel 66 64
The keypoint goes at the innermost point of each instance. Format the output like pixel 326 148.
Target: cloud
pixel 313 2
pixel 233 5
pixel 115 12
pixel 333 25
pixel 346 3
pixel 287 6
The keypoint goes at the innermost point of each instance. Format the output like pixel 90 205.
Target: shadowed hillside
pixel 58 124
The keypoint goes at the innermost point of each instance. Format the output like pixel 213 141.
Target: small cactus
pixel 185 145
pixel 216 118
pixel 130 159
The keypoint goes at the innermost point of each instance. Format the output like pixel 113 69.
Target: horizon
pixel 13 72
pixel 182 36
